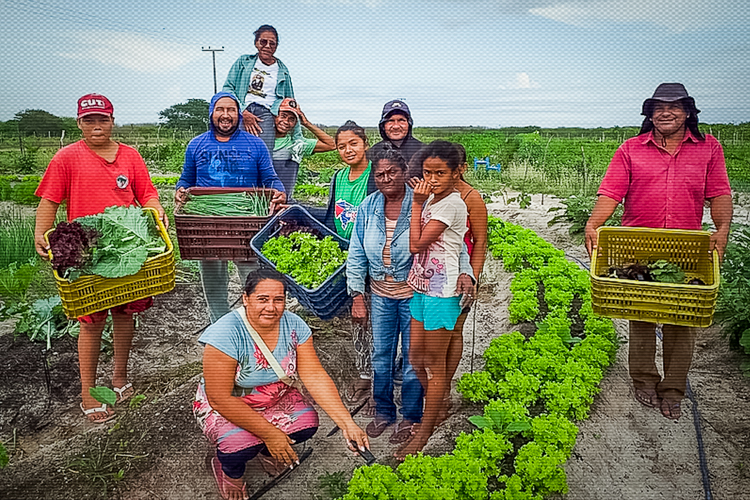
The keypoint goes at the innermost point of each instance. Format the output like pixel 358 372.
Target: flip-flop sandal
pixel 648 398
pixel 671 410
pixel 403 432
pixel 376 427
pixel 224 485
pixel 120 390
pixel 271 466
pixel 356 394
pixel 102 409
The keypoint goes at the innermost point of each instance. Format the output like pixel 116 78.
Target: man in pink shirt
pixel 663 177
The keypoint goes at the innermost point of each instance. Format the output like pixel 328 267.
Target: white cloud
pixel 524 81
pixel 674 15
pixel 132 51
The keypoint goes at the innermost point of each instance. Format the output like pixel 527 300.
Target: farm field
pixel 156 450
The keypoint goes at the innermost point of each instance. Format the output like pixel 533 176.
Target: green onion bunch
pixel 229 204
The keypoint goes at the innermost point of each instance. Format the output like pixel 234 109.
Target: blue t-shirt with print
pixel 230 336
pixel 242 161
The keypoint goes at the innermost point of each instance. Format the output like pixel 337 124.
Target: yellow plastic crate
pixel 654 302
pixel 91 293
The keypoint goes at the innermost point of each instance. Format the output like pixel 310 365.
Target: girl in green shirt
pixel 352 184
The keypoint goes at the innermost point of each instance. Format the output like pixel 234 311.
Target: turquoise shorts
pixel 435 312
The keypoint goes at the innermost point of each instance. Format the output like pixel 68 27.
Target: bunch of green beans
pixel 228 204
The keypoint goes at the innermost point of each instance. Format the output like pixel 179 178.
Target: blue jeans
pixel 215 280
pixel 267 124
pixel 389 318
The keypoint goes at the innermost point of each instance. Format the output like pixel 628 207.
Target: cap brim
pixel 87 113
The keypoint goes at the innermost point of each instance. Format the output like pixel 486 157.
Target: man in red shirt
pixel 90 175
pixel 664 175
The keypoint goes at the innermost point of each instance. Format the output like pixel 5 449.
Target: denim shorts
pixel 435 312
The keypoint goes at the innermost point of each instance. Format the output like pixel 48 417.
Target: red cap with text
pixel 94 104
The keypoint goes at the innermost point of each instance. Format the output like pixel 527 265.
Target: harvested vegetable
pixel 666 272
pixel 112 244
pixel 660 271
pixel 229 204
pixel 307 259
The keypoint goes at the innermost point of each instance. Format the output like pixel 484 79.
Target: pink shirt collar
pixel 687 137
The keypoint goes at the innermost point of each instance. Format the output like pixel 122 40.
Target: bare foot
pixel 235 493
pixel 412 446
pixel 444 412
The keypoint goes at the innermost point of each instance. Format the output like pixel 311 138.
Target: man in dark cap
pixel 664 175
pixel 396 127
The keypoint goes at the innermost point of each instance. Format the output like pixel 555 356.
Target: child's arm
pixel 45 219
pixel 420 239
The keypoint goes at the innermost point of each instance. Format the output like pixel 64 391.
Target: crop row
pixel 534 388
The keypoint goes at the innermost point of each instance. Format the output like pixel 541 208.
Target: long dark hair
pixel 691 122
pixel 262 274
pixel 351 126
pixel 443 150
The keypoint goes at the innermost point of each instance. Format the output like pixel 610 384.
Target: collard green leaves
pixel 125 238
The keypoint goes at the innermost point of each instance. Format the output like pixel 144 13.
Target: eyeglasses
pixel 263 42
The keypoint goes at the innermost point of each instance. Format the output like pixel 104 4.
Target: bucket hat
pixel 668 92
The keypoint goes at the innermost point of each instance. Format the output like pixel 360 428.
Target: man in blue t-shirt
pixel 226 156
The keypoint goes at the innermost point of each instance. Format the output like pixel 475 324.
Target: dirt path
pixel 623 450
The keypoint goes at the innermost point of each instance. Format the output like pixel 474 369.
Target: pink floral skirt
pixel 282 405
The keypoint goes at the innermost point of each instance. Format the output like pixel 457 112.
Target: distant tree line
pixel 190 115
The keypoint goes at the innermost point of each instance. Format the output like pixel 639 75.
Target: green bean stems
pixel 228 204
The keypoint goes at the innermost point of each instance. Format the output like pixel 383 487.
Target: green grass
pixel 16 237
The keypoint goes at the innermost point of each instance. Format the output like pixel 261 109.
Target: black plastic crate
pixel 330 298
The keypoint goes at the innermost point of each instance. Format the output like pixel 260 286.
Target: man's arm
pixel 721 214
pixel 269 178
pixel 603 210
pixel 325 141
pixel 45 219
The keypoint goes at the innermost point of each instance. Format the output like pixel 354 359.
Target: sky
pixel 550 63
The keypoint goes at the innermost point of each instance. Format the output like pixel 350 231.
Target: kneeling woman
pixel 248 404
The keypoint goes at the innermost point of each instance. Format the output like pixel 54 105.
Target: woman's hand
pixel 280 447
pixel 359 309
pixel 422 191
pixel 352 432
pixel 251 123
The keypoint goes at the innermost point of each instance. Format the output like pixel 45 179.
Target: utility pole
pixel 213 52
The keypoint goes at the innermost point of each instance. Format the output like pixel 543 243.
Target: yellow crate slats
pixel 670 303
pixel 90 293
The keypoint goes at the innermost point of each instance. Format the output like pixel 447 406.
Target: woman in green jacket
pixel 261 81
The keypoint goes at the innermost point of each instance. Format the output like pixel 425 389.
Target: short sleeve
pixel 616 182
pixel 55 181
pixel 717 179
pixel 451 212
pixel 309 146
pixel 224 335
pixel 294 322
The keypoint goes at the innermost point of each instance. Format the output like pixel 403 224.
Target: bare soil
pixel 624 450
